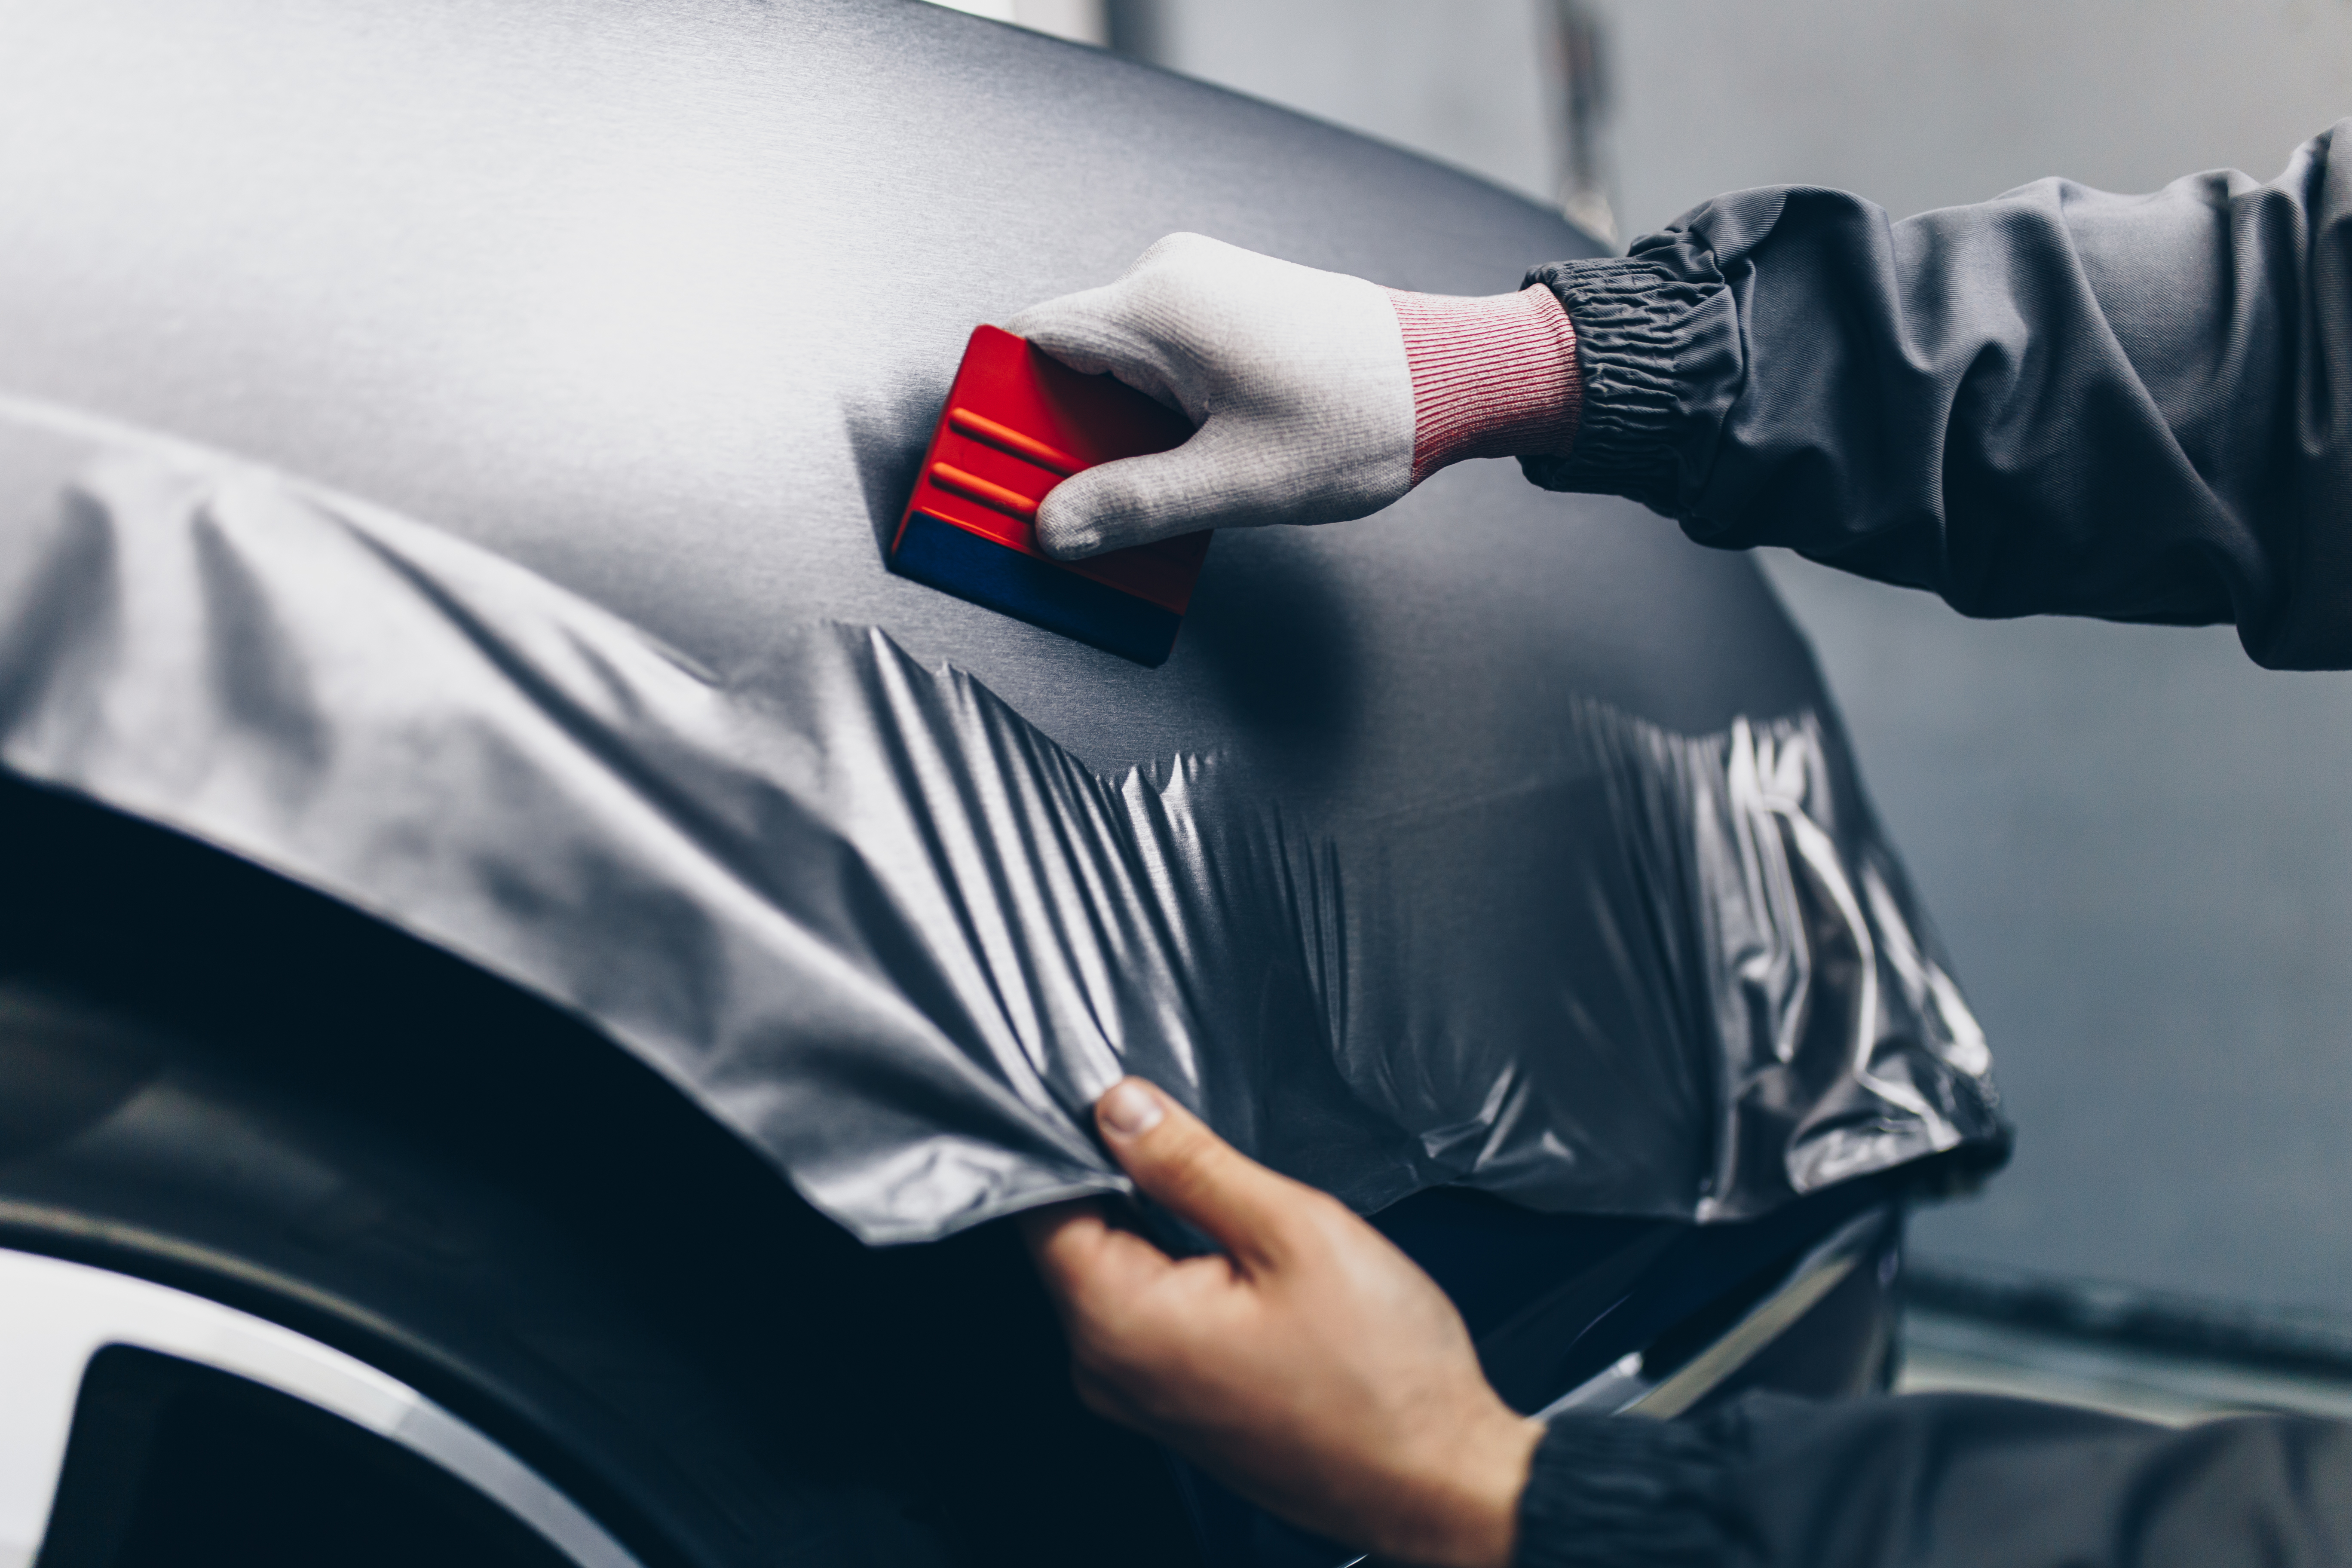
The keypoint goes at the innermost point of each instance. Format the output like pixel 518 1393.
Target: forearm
pixel 2058 401
pixel 1936 1481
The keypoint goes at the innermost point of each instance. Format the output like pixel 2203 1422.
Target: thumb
pixel 1198 1176
pixel 1205 483
pixel 1094 333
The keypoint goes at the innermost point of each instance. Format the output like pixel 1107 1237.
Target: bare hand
pixel 1311 1366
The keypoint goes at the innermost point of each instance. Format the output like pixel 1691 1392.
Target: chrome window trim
pixel 1624 1389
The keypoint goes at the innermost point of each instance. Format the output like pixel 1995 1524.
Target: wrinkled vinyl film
pixel 893 934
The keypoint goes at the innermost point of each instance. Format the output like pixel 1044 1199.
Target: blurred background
pixel 2139 847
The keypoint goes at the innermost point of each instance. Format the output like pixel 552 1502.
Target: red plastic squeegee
pixel 1016 423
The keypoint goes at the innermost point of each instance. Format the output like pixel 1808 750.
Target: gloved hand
pixel 1311 1365
pixel 1297 380
pixel 1318 396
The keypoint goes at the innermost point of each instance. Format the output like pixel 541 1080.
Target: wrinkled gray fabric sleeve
pixel 2137 407
pixel 1936 1481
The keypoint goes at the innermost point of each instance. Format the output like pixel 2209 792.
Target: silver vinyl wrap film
pixel 899 938
pixel 1505 837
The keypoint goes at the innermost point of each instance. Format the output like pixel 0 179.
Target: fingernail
pixel 1129 1110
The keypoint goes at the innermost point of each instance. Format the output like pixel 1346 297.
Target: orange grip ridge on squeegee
pixel 1006 439
pixel 989 494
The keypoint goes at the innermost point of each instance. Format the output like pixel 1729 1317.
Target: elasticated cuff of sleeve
pixel 1619 1493
pixel 1651 348
pixel 1492 376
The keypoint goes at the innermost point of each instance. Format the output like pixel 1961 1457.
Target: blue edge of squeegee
pixel 943 556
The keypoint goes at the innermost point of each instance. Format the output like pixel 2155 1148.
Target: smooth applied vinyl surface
pixel 1503 839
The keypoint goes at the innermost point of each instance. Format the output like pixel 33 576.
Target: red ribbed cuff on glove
pixel 1492 377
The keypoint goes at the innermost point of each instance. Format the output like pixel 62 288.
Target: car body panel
pixel 1504 838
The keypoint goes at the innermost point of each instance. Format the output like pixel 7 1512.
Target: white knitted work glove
pixel 1297 380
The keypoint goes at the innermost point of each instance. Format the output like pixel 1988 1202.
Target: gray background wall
pixel 2139 847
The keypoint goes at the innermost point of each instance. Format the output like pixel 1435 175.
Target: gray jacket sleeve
pixel 2058 401
pixel 1936 1481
